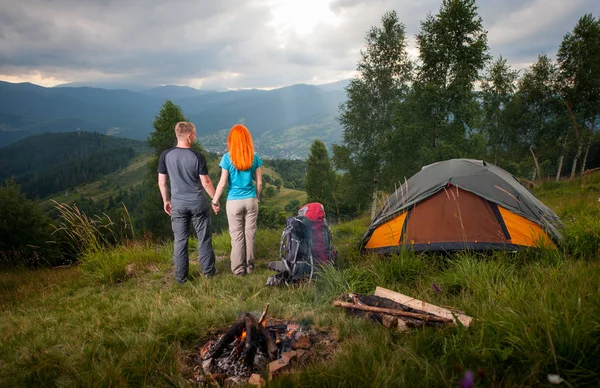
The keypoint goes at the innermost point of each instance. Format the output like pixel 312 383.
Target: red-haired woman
pixel 238 168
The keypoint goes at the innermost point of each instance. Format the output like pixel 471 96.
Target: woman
pixel 238 166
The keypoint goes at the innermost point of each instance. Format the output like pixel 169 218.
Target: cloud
pixel 523 30
pixel 239 43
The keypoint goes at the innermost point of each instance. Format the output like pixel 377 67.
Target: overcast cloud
pixel 240 43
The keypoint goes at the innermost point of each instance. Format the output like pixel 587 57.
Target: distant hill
pixel 14 127
pixel 48 163
pixel 174 92
pixel 283 121
pixel 107 85
pixel 338 85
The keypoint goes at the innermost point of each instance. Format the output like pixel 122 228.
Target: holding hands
pixel 216 207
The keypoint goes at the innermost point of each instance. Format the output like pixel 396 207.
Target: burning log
pixel 272 349
pixel 230 335
pixel 251 340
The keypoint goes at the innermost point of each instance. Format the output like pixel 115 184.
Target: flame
pixel 290 333
pixel 241 338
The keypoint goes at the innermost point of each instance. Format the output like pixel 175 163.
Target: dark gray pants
pixel 180 222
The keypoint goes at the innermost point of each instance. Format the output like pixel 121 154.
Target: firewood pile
pixel 252 348
pixel 395 310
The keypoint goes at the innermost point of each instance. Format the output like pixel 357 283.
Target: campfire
pixel 250 347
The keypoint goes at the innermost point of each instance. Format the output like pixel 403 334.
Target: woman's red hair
pixel 240 147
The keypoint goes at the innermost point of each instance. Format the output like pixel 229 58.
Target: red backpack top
pixel 323 251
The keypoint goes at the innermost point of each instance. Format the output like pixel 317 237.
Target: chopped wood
pixel 389 321
pixel 420 305
pixel 400 313
pixel 402 326
pixel 378 301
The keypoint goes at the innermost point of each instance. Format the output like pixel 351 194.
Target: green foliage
pixel 269 217
pixel 269 192
pixel 24 229
pixel 320 178
pixel 453 51
pixel 384 71
pixel 538 118
pixel 498 90
pixel 292 172
pixel 292 206
pixel 163 137
pixel 155 220
pixel 579 61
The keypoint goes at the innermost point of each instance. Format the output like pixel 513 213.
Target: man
pixel 188 174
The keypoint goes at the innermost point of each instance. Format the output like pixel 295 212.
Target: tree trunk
pixel 374 203
pixel 560 163
pixel 578 136
pixel 537 165
pixel 576 158
pixel 585 154
pixel 561 159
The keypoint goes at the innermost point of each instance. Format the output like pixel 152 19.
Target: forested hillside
pixel 48 163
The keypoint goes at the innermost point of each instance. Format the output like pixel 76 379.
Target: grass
pixel 284 197
pixel 96 324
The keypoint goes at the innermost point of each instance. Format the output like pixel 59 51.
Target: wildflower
pixel 436 288
pixel 555 379
pixel 468 381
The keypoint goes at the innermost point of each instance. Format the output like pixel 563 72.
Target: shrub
pixel 24 230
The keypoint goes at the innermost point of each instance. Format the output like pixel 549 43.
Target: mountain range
pixel 283 121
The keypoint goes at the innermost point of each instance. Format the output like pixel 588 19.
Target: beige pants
pixel 241 216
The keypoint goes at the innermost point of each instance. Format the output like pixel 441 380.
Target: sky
pixel 238 44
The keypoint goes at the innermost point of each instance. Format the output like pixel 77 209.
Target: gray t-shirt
pixel 184 167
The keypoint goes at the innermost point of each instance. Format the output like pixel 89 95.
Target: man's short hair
pixel 182 128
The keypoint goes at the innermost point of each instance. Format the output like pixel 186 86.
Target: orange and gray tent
pixel 462 204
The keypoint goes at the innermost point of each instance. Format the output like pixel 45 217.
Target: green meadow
pixel 117 318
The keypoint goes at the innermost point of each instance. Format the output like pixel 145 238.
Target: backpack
pixel 305 244
pixel 295 252
pixel 322 245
